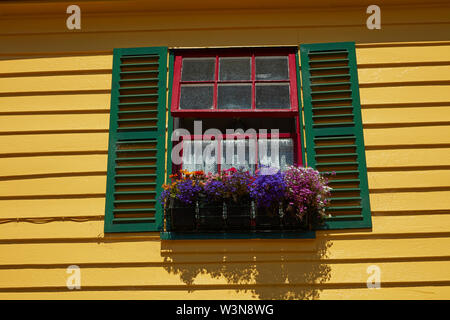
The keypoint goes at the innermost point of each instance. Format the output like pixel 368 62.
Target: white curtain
pixel 276 153
pixel 240 153
pixel 200 155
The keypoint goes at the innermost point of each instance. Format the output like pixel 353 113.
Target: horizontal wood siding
pixel 54 118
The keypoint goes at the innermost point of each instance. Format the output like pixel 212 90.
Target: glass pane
pixel 240 154
pixel 236 96
pixel 234 68
pixel 196 96
pixel 200 155
pixel 272 68
pixel 198 69
pixel 272 96
pixel 276 153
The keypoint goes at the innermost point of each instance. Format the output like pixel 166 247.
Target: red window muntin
pixel 297 155
pixel 236 53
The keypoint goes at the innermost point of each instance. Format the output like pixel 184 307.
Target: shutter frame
pixel 152 135
pixel 170 124
pixel 315 133
pixel 300 126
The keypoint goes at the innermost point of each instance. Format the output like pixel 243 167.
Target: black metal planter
pixel 182 217
pixel 235 217
pixel 211 217
pixel 268 219
pixel 225 216
pixel 291 222
pixel 278 218
pixel 239 216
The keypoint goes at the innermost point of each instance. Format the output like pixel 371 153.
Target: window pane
pixel 236 96
pixel 196 96
pixel 272 68
pixel 198 69
pixel 200 155
pixel 272 96
pixel 240 154
pixel 234 68
pixel 276 153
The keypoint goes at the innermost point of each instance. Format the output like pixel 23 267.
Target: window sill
pixel 238 235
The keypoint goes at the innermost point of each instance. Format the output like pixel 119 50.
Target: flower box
pixel 210 217
pixel 291 222
pixel 182 217
pixel 224 217
pixel 238 201
pixel 267 219
pixel 238 216
pixel 274 219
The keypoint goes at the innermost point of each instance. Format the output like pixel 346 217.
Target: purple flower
pixel 164 197
pixel 188 191
pixel 215 190
pixel 186 188
pixel 231 184
pixel 307 190
pixel 268 189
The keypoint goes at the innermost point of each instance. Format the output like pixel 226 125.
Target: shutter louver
pixel 136 140
pixel 334 133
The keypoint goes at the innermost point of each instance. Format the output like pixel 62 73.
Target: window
pixel 240 89
pixel 242 82
pixel 248 88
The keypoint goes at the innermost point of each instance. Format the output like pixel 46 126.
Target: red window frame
pixel 297 154
pixel 241 52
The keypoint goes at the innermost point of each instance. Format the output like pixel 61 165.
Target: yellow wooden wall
pixel 54 117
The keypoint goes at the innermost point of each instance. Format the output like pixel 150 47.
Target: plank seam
pixel 230 286
pixel 165 263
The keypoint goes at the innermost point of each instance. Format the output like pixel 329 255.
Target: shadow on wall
pixel 268 269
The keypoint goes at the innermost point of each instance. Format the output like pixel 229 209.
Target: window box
pixel 238 201
pixel 224 217
pixel 268 219
pixel 210 217
pixel 181 217
pixel 237 218
pixel 276 219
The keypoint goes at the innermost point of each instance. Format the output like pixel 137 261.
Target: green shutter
pixel 136 140
pixel 334 132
